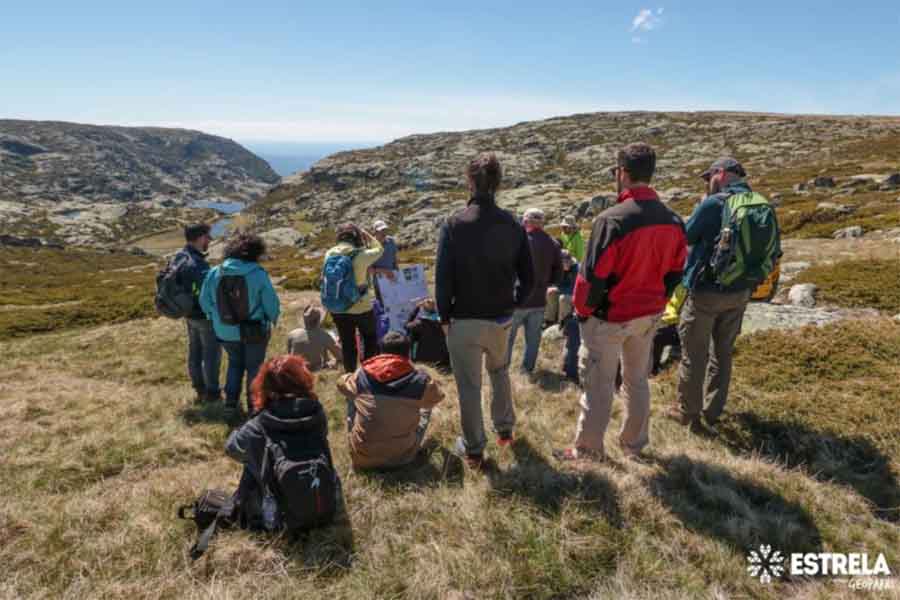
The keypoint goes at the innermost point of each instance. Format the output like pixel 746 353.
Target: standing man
pixel 204 350
pixel 482 251
pixel 546 260
pixel 571 238
pixel 635 259
pixel 387 264
pixel 713 312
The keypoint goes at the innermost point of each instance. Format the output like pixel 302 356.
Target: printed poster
pixel 400 296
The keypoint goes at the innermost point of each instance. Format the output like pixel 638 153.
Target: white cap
pixel 380 225
pixel 534 214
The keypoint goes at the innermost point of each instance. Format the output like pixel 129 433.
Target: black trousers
pixel 347 326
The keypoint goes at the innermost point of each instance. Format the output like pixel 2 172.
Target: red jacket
pixel 635 259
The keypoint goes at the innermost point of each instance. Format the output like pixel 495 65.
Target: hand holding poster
pixel 401 295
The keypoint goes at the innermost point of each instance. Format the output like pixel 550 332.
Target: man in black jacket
pixel 482 252
pixel 546 260
pixel 204 350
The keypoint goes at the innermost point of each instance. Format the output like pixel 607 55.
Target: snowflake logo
pixel 765 564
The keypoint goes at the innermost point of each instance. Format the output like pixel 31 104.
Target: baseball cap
pixel 725 164
pixel 380 225
pixel 569 221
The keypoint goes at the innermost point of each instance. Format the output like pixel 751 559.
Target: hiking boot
pixel 232 412
pixel 574 453
pixel 200 396
pixel 213 397
pixel 698 428
pixel 505 439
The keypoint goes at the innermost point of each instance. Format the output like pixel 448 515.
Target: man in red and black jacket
pixel 635 260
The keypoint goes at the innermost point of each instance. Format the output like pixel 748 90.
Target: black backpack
pixel 214 509
pixel 172 299
pixel 233 299
pixel 306 488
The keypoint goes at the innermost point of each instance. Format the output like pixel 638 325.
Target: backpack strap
pixel 202 544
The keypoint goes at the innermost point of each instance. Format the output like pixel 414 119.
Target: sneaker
pixel 505 439
pixel 473 461
pixel 575 453
pixel 674 414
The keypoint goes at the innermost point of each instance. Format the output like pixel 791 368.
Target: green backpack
pixel 748 244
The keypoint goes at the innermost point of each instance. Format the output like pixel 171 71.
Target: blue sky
pixel 344 71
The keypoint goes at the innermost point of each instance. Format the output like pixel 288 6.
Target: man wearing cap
pixel 546 258
pixel 712 314
pixel 571 238
pixel 387 264
pixel 635 258
pixel 204 350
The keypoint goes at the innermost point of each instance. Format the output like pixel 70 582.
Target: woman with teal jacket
pixel 239 298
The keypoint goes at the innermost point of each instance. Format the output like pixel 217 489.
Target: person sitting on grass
pixel 429 344
pixel 389 406
pixel 312 342
pixel 287 414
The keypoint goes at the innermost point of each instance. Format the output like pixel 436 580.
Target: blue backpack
pixel 339 288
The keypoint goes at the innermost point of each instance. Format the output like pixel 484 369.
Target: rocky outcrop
pixel 53 161
pixel 93 185
pixel 559 165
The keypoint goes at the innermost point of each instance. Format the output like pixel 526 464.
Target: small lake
pixel 223 207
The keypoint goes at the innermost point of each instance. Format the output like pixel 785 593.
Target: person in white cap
pixel 387 264
pixel 546 257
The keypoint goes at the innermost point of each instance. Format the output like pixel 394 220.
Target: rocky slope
pixel 560 164
pixel 86 183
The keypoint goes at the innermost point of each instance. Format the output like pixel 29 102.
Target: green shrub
pixel 868 283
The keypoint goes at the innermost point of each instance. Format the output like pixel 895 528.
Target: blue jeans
pixel 573 343
pixel 242 358
pixel 533 320
pixel 204 356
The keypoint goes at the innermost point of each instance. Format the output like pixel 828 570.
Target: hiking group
pixel 645 280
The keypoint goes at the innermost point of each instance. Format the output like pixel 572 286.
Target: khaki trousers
pixel 473 343
pixel 602 343
pixel 709 321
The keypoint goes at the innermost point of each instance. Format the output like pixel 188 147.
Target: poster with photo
pixel 401 295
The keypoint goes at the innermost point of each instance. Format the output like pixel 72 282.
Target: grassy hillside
pixel 100 443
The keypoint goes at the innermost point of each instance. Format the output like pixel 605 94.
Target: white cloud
pixel 647 20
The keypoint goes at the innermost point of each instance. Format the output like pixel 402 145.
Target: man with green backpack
pixel 735 242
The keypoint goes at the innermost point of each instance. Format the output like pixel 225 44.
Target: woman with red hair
pixel 289 430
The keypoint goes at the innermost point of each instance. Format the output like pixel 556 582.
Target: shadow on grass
pixel 432 467
pixel 533 479
pixel 712 501
pixel 850 461
pixel 209 412
pixel 551 381
pixel 327 549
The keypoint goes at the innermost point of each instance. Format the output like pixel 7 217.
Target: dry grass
pixel 100 444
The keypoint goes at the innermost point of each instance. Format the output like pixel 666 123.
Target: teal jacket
pixel 264 304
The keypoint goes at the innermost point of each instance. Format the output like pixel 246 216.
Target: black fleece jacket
pixel 482 251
